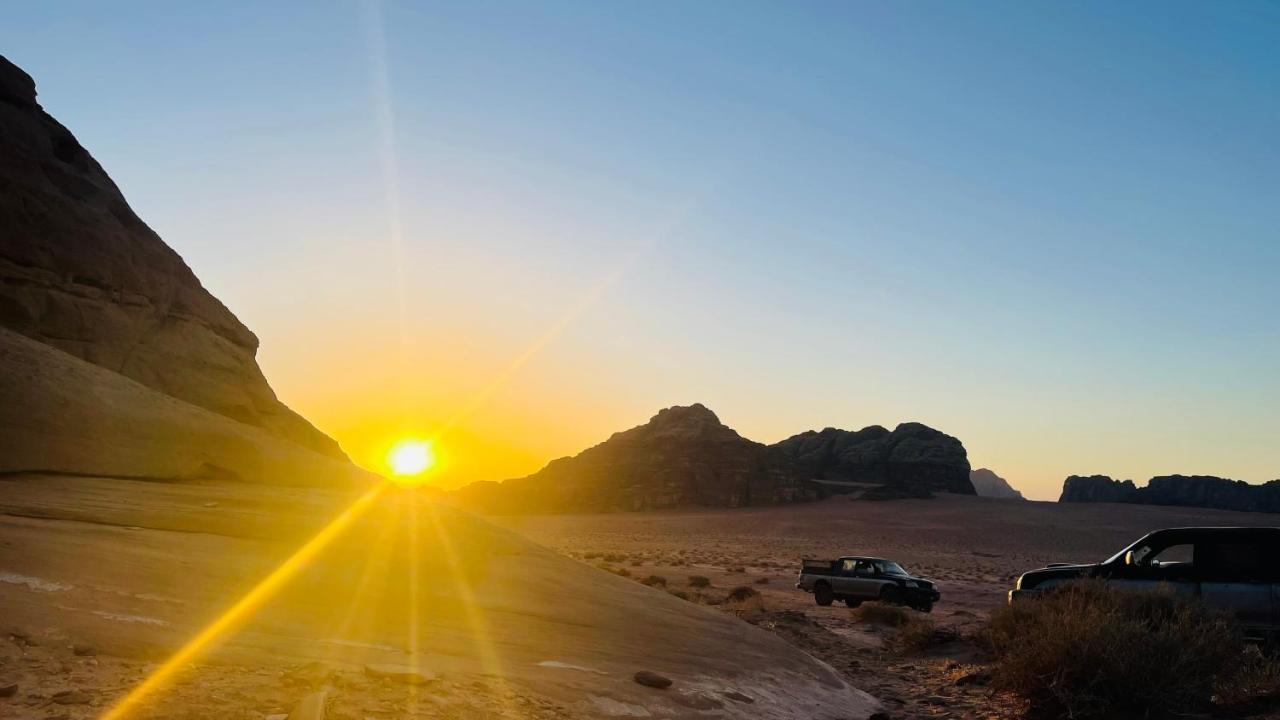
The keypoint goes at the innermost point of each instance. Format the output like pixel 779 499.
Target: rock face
pixel 913 457
pixel 989 484
pixel 81 272
pixel 684 456
pixel 1206 491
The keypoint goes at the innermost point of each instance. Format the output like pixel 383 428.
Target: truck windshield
pixel 892 568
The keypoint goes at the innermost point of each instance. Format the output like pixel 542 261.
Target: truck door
pixel 845 582
pixel 1235 577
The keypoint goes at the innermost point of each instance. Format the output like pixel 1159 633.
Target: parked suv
pixel 1232 569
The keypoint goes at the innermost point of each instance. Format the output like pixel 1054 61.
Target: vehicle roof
pixel 864 557
pixel 1202 532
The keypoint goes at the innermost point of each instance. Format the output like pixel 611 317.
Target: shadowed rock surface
pixel 913 457
pixel 988 484
pixel 81 272
pixel 685 457
pixel 1204 491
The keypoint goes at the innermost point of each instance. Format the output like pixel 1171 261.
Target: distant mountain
pixel 914 458
pixel 684 456
pixel 1204 491
pixel 989 484
pixel 82 273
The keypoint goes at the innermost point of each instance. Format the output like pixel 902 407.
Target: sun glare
pixel 409 459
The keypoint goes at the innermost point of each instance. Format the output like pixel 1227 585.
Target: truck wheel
pixel 823 594
pixel 890 596
pixel 852 602
pixel 925 607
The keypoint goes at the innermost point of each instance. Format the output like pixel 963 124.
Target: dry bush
pixel 762 581
pixel 881 614
pixel 744 601
pixel 680 594
pixel 655 581
pixel 917 633
pixel 1083 651
pixel 699 581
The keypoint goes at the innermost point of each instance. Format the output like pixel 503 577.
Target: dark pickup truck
pixel 1230 569
pixel 855 579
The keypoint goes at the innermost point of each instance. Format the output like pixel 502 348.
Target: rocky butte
pixel 989 484
pixel 684 456
pixel 1206 491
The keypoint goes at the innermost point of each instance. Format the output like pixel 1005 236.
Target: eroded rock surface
pixel 1206 491
pixel 81 272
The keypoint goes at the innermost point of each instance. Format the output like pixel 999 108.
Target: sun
pixel 409 459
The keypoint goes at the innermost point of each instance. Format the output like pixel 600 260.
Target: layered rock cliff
pixel 913 457
pixel 684 456
pixel 1205 491
pixel 80 272
pixel 988 484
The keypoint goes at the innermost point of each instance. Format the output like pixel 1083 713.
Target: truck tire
pixel 925 607
pixel 852 602
pixel 822 594
pixel 890 595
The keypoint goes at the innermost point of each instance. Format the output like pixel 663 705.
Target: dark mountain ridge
pixel 685 457
pixel 1206 491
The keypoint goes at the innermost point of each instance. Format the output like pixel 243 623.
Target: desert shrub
pixel 680 594
pixel 762 581
pixel 916 633
pixel 591 555
pixel 614 557
pixel 736 569
pixel 881 614
pixel 699 581
pixel 1083 651
pixel 655 581
pixel 744 601
pixel 621 571
pixel 1256 678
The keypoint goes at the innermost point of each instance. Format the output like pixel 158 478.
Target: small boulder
pixel 652 679
pixel 72 697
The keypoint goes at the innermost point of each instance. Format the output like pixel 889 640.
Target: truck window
pixel 1235 561
pixel 848 566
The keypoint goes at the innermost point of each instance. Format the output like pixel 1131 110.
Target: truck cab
pixel 1236 570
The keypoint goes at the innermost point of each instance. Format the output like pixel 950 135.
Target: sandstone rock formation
pixel 1205 491
pixel 684 456
pixel 62 415
pixel 81 272
pixel 913 457
pixel 988 484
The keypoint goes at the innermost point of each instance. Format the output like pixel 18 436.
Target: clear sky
pixel 1050 229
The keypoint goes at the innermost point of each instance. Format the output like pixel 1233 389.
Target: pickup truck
pixel 1230 569
pixel 856 579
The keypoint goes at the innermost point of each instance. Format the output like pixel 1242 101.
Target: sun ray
pixel 247 605
pixel 489 658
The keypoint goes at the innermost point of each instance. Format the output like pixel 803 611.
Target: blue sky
pixel 1048 229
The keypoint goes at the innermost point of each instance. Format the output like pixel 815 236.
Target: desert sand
pixel 973 547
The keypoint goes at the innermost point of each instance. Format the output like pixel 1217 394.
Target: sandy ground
pixel 102 580
pixel 973 548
